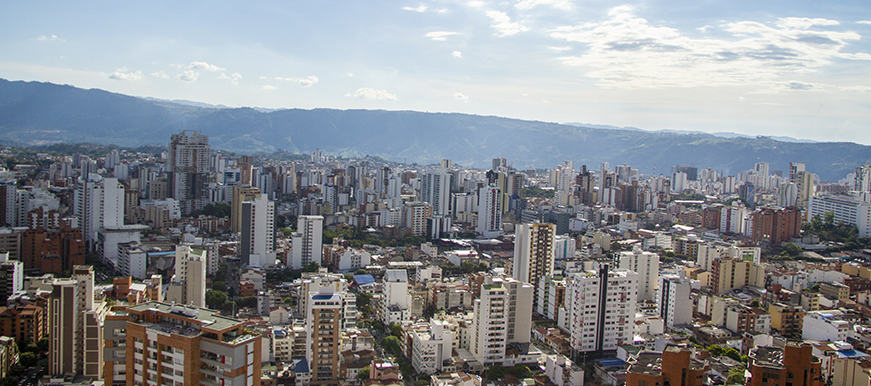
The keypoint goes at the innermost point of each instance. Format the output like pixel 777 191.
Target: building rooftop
pixel 207 318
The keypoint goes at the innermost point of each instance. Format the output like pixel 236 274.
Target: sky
pixel 779 68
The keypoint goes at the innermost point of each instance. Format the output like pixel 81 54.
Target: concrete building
pixel 847 209
pixel 99 204
pixel 786 319
pixel 75 325
pixel 431 349
pixel 735 273
pixel 533 253
pixel 674 366
pixel 306 242
pixel 414 215
pixel 323 339
pixel 395 300
pixel 601 309
pixel 132 260
pixel 489 211
pixel 11 277
pixel 187 163
pixel 435 189
pixel 673 301
pixel 240 195
pixel 794 364
pixel 500 319
pixel 182 345
pixel 188 285
pixel 825 326
pixel 646 265
pixel 257 244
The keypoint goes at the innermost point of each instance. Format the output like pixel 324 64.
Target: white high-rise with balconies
pixel 489 212
pixel 307 242
pixel 646 265
pixel 258 232
pixel 601 309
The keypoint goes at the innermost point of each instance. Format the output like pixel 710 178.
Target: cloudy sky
pixel 795 68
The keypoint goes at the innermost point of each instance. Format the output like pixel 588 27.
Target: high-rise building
pixel 533 253
pixel 11 277
pixel 774 226
pixel 174 344
pixel 673 302
pixel 846 209
pixel 307 242
pixel 674 366
pixel 735 273
pixel 257 244
pixel 646 265
pixel 395 300
pixel 99 204
pixel 323 318
pixel 188 285
pixel 805 184
pixel 414 215
pixel 435 188
pixel 501 316
pixel 75 326
pixel 240 195
pixel 188 165
pixel 862 181
pixel 601 309
pixel 489 211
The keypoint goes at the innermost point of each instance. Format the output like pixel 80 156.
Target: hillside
pixel 36 113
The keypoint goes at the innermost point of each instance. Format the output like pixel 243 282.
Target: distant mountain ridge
pixel 721 134
pixel 43 113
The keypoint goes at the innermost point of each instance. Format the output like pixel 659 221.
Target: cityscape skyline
pixel 798 70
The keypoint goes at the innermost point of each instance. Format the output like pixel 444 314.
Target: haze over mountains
pixel 33 113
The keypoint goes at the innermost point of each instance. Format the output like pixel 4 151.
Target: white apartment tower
pixel 75 324
pixel 646 265
pixel 99 204
pixel 188 166
pixel 533 252
pixel 395 299
pixel 435 188
pixel 673 302
pixel 501 316
pixel 490 211
pixel 188 285
pixel 601 309
pixel 258 232
pixel 307 242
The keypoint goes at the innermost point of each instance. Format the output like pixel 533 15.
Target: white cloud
pixel 44 38
pixel 502 23
pixel 234 77
pixel 177 65
pixel 475 3
pixel 264 78
pixel 160 75
pixel 267 87
pixel 188 76
pixel 204 66
pixel 563 48
pixel 303 82
pixel 457 54
pixel 461 97
pixel 440 35
pixel 529 4
pixel 804 22
pixel 371 93
pixel 864 22
pixel 860 89
pixel 350 74
pixel 125 74
pixel 420 8
pixel 629 52
pixel 705 28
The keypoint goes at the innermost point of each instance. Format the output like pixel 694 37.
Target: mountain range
pixel 34 113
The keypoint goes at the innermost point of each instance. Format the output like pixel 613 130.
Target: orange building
pixel 794 364
pixel 52 250
pixel 175 344
pixel 675 366
pixel 24 323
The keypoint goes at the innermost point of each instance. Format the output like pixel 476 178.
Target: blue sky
pixel 793 68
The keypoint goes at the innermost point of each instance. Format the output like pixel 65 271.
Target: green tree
pixel 364 303
pixel 248 301
pixel 28 359
pixel 311 267
pixel 363 374
pixel 790 249
pixel 496 372
pixel 219 286
pixel 736 376
pixel 519 371
pixel 391 345
pixel 215 299
pixel 421 382
pixel 395 329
